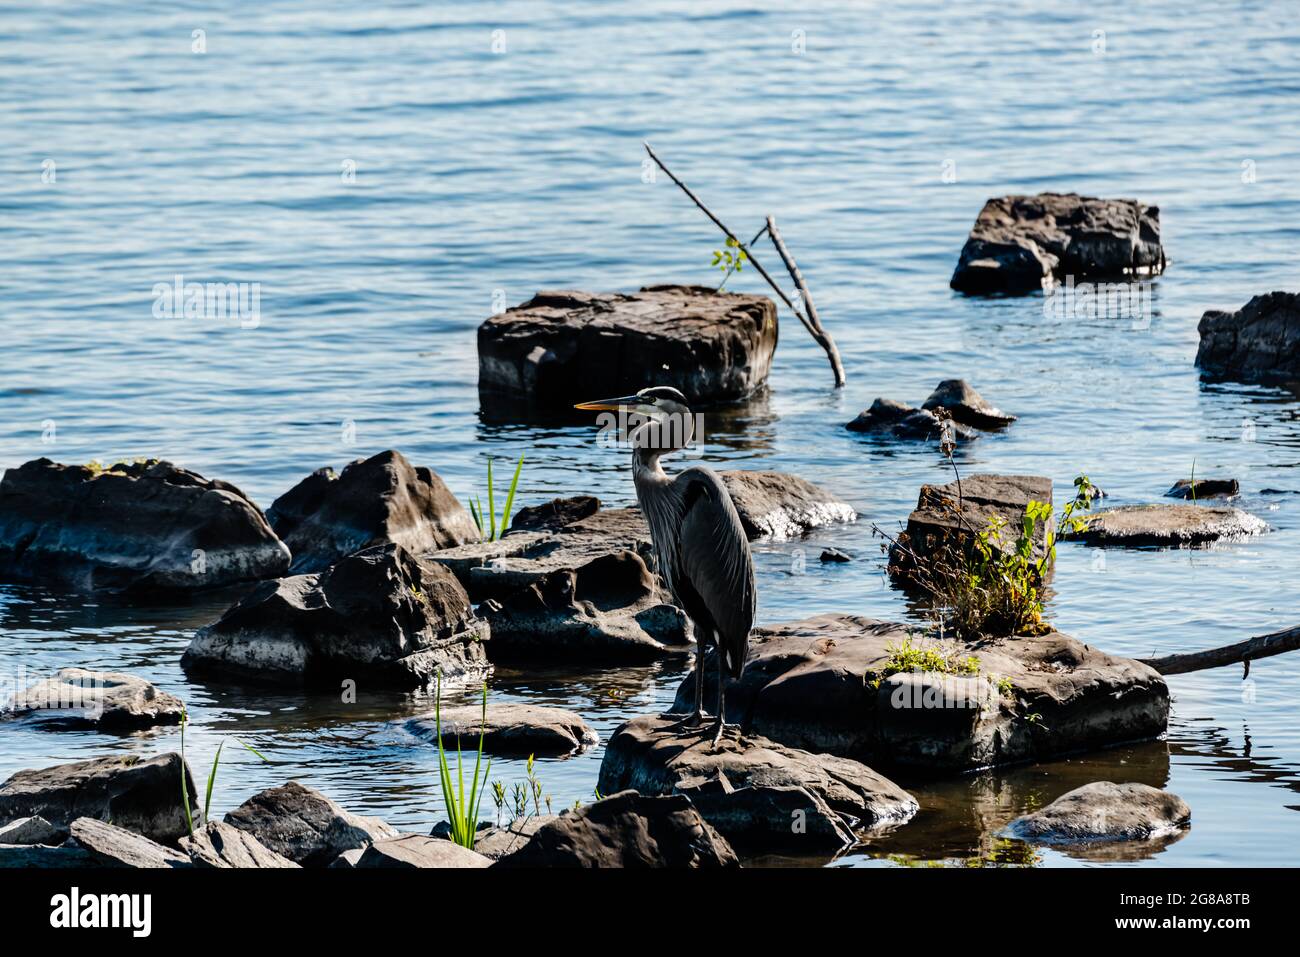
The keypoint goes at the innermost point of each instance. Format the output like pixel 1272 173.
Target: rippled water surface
pixel 482 175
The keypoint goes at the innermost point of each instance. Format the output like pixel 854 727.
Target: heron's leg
pixel 696 717
pixel 722 703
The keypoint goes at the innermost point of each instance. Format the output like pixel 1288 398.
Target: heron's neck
pixel 646 469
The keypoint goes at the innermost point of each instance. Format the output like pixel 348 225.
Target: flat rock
pixel 146 526
pixel 584 592
pixel 753 791
pixel 782 505
pixel 1178 526
pixel 31 830
pixel 947 513
pixel 303 825
pixel 380 614
pixel 112 846
pixel 376 501
pixel 107 700
pixel 1260 342
pixel 497 842
pixel 563 347
pixel 627 830
pixel 820 685
pixel 554 514
pixel 510 729
pixel 1104 811
pixel 966 406
pixel 1198 489
pixel 417 851
pixel 221 845
pixel 140 796
pixel 1020 242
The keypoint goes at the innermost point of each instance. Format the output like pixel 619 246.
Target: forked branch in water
pixel 816 331
pixel 1261 646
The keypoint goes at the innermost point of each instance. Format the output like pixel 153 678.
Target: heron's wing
pixel 714 562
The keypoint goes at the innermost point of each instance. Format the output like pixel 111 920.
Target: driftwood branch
pixel 815 331
pixel 814 322
pixel 1246 651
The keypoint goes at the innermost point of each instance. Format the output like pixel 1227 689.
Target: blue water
pixel 482 176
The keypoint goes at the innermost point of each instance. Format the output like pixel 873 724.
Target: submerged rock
pixel 133 527
pixel 112 846
pixel 1104 811
pixel 817 685
pixel 897 419
pixel 375 501
pixel 1179 526
pixel 554 514
pixel 1019 242
pixel 380 613
pixel 303 825
pixel 782 505
pixel 954 514
pixel 107 700
pixel 752 790
pixel 418 851
pixel 564 347
pixel 835 555
pixel 1260 342
pixel 584 592
pixel 1204 488
pixel 518 729
pixel 140 796
pixel 966 406
pixel 627 830
pixel 44 856
pixel 218 844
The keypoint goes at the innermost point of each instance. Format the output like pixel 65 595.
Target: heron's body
pixel 700 546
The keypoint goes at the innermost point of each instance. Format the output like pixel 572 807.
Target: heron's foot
pixel 691 722
pixel 719 728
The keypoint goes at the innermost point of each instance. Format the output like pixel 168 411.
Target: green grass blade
pixel 492 505
pixel 185 791
pixel 254 750
pixel 510 498
pixel 212 777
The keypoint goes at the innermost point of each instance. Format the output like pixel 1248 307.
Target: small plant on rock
pixel 462 810
pixel 489 529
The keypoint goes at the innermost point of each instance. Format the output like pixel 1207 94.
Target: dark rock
pixel 1260 342
pixel 897 419
pixel 1179 526
pixel 418 851
pixel 753 791
pixel 44 856
pixel 835 555
pixel 626 830
pixel 138 527
pixel 218 844
pixel 1018 242
pixel 555 514
pixel 518 729
pixel 564 347
pixel 380 613
pixel 1204 488
pixel 375 501
pixel 107 700
pixel 31 830
pixel 812 684
pixel 782 505
pixel 966 406
pixel 947 514
pixel 304 825
pixel 584 592
pixel 140 796
pixel 1104 811
pixel 112 846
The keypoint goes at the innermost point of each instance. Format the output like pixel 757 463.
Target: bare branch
pixel 814 322
pixel 1262 646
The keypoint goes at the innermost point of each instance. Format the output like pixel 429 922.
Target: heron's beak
pixel 610 405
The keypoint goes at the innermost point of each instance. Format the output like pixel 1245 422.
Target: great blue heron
pixel 701 547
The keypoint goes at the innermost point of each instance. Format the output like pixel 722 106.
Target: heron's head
pixel 668 423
